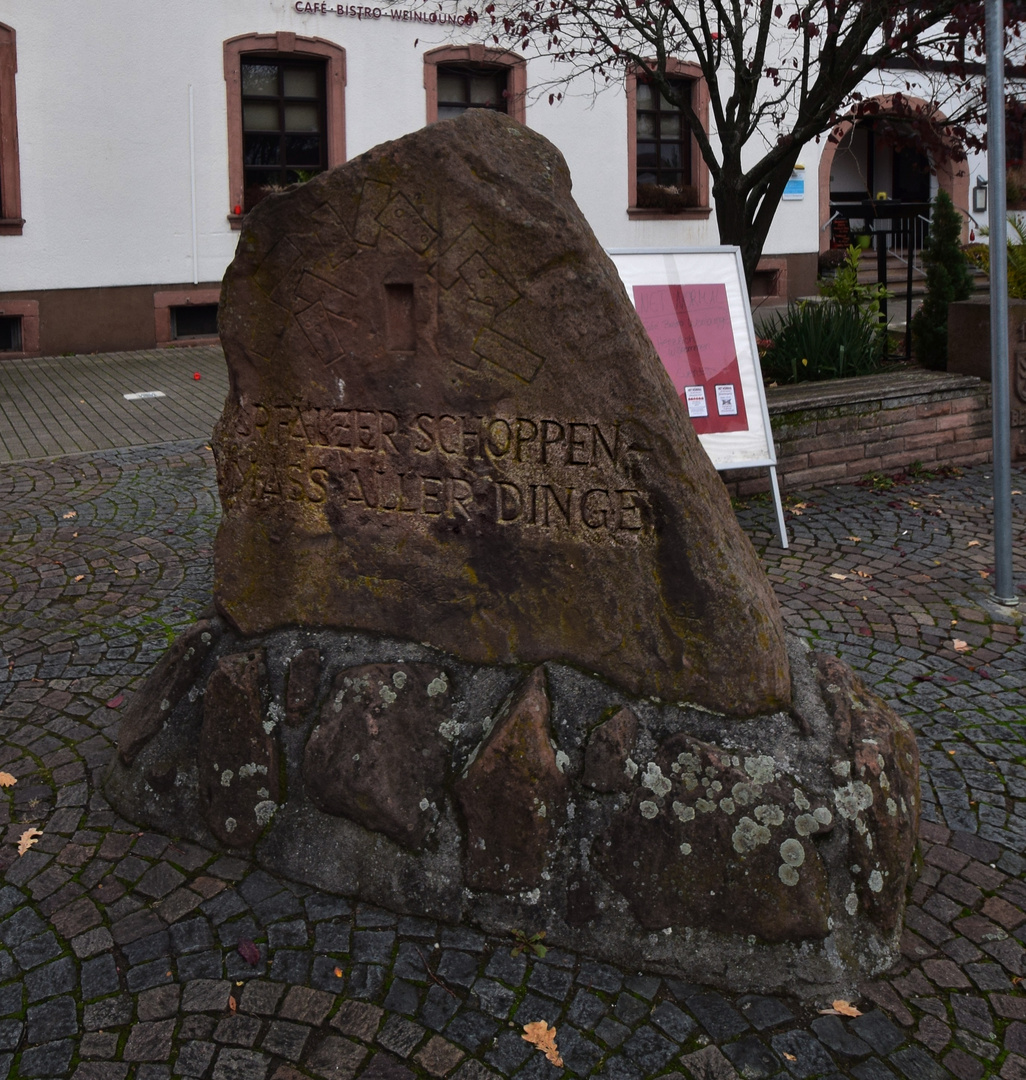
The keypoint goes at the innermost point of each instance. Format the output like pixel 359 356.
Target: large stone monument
pixel 488 643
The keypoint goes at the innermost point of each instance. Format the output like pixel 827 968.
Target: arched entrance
pixel 864 157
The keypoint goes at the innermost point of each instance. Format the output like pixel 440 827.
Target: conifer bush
pixel 948 279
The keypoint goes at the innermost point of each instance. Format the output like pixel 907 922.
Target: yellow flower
pixel 805 362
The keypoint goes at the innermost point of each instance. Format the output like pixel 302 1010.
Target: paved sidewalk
pixel 129 954
pixel 72 404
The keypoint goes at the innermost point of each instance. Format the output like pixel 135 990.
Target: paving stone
pixel 933 1034
pixel 945 974
pixel 717 1016
pixel 50 1059
pixel 366 981
pixel 599 977
pixel 206 995
pixel 580 1055
pixel 306 1005
pixel 649 1050
pixel 508 1052
pixel 611 1031
pixel 234 1063
pixel 497 1000
pixel 149 1041
pixel 400 1036
pixel 238 1030
pixel 915 1064
pixel 972 1014
pixel 709 1064
pixel 506 968
pixel 752 1058
pixel 158 1003
pixel 458 968
pixel 285 1039
pixel 470 1029
pixel 630 1009
pixel 53 1020
pixel 875 1029
pixel 832 1033
pixel 439 1056
pixel 384 1067
pixel 803 1055
pixel 194 1058
pixel 960 1064
pixel 358 1019
pixel 677 1024
pixel 764 1012
pixel 335 1057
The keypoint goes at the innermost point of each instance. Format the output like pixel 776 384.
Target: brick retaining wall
pixel 837 432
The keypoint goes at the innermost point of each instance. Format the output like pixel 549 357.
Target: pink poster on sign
pixel 690 328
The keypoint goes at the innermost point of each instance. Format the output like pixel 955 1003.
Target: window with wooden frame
pixel 284 132
pixel 286 113
pixel 667 177
pixel 11 221
pixel 457 78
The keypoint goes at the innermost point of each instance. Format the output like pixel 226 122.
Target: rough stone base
pixel 767 854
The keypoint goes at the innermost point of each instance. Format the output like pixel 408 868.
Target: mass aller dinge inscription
pixel 539 471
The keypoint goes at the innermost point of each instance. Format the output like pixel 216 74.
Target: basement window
pixel 10 333
pixel 193 321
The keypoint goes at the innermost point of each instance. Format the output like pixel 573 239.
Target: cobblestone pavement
pixel 129 954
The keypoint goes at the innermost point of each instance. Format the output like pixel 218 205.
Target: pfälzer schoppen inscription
pixel 542 472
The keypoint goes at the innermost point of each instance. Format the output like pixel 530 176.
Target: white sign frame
pixel 717 266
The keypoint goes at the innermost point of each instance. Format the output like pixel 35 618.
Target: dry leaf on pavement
pixel 973 543
pixel 6 780
pixel 845 1008
pixel 28 838
pixel 541 1035
pixel 959 645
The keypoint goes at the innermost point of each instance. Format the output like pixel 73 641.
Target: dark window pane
pixel 194 320
pixel 261 149
pixel 10 333
pixel 302 150
pixel 462 86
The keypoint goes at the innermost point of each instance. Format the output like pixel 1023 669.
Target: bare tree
pixel 780 73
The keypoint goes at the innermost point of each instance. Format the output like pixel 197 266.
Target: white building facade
pixel 134 136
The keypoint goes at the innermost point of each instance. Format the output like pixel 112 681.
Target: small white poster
pixel 695 398
pixel 726 399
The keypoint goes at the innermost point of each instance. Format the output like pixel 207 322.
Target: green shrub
pixel 947 279
pixel 814 341
pixel 979 255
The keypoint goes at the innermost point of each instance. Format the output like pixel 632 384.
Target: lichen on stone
pixel 788 875
pixel 748 835
pixel 769 814
pixel 438 686
pixel 648 809
pixel 654 780
pixel 684 813
pixel 792 852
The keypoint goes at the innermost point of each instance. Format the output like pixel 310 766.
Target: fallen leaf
pixel 115 701
pixel 973 543
pixel 541 1035
pixel 790 1057
pixel 78 577
pixel 28 838
pixel 232 1003
pixel 839 577
pixel 845 1008
pixel 959 645
pixel 862 573
pixel 6 780
pixel 984 574
pixel 339 973
pixel 249 952
pixel 70 514
pixel 855 539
